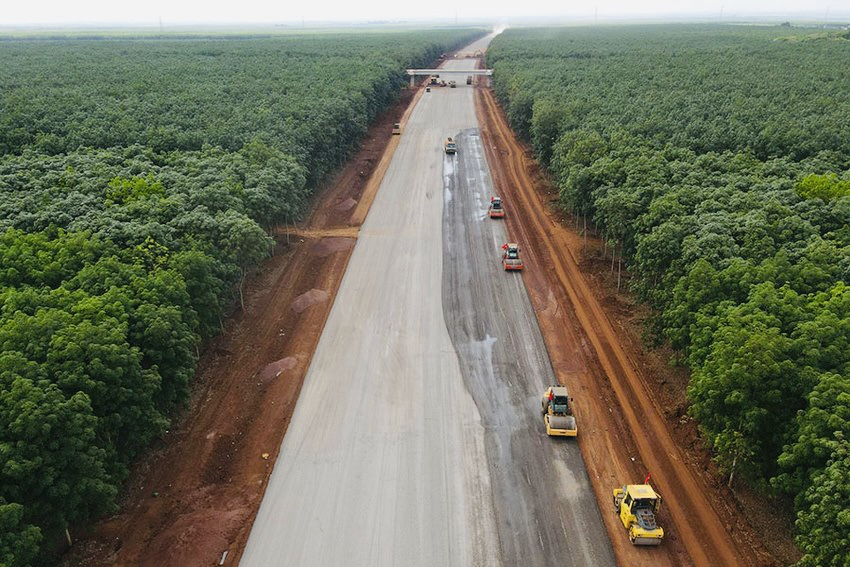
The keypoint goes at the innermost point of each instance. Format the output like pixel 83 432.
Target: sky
pixel 176 12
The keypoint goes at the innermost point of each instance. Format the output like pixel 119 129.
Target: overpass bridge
pixel 413 73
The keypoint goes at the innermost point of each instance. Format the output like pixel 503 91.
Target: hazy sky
pixel 18 12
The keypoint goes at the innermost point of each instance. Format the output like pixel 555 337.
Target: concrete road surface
pixel 417 438
pixel 476 46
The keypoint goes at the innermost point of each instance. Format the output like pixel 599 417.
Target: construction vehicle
pixel 637 505
pixel 495 210
pixel 510 259
pixel 396 128
pixel 557 413
pixel 449 146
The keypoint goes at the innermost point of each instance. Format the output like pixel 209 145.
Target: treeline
pixel 136 180
pixel 715 160
pixel 307 95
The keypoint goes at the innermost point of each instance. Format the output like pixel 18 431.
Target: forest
pixel 714 160
pixel 139 178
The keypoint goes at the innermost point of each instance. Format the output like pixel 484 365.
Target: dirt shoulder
pixel 630 404
pixel 194 495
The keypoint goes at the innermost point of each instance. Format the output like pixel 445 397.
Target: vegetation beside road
pixel 713 161
pixel 137 177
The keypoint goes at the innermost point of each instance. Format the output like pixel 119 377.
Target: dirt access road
pixel 195 495
pixel 623 431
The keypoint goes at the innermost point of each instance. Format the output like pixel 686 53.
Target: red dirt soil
pixel 593 343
